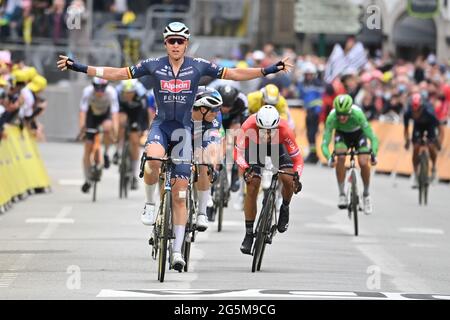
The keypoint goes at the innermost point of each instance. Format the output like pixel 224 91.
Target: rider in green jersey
pixel 352 129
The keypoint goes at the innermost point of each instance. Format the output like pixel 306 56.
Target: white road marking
pixel 70 182
pixel 49 220
pixel 422 245
pixel 324 293
pixel 422 230
pixel 325 226
pixel 7 278
pixel 441 297
pixel 164 294
pixel 46 234
pixel 404 281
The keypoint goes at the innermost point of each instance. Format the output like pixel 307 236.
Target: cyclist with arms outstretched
pixel 176 77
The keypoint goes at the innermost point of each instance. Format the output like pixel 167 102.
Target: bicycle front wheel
pixel 164 236
pixel 221 198
pixel 423 178
pixel 94 192
pixel 189 233
pixel 354 202
pixel 262 230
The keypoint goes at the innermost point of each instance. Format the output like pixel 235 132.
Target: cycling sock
pixel 135 167
pixel 86 173
pixel 150 192
pixel 249 226
pixel 341 188
pixel 203 197
pixel 366 190
pixel 179 236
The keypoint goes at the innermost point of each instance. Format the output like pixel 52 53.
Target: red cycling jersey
pixel 285 135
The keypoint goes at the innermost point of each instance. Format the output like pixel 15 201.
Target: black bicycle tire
pixel 271 211
pixel 261 234
pixel 164 238
pixel 94 192
pixel 423 178
pixel 221 199
pixel 190 228
pixel 125 161
pixel 354 202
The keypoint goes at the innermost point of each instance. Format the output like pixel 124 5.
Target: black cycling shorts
pixel 346 140
pixel 420 132
pixel 256 159
pixel 93 122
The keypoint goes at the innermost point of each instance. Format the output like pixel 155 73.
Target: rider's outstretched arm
pixel 242 74
pixel 108 73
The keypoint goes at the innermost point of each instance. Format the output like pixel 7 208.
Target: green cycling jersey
pixel 357 121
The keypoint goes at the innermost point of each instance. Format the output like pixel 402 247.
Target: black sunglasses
pixel 172 41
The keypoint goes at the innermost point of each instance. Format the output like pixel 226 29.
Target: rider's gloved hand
pixel 279 66
pixel 75 66
pixel 297 184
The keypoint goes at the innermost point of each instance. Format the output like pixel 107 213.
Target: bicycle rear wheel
pixel 354 202
pixel 188 238
pixel 164 236
pixel 423 178
pixel 262 229
pixel 221 190
pixel 125 167
pixel 94 192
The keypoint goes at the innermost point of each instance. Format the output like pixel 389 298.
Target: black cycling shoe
pixel 283 220
pixel 85 187
pixel 312 158
pixel 106 162
pixel 134 183
pixel 246 246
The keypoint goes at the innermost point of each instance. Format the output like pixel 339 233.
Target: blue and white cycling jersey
pixel 175 94
pixel 205 133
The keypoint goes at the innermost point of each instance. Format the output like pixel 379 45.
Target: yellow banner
pixel 21 167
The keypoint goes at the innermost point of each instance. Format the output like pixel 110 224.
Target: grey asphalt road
pixel 62 246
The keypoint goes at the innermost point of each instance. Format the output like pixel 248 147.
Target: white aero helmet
pixel 176 29
pixel 267 117
pixel 209 98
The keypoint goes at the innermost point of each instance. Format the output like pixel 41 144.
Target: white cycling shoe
pixel 342 202
pixel 202 222
pixel 148 217
pixel 178 262
pixel 367 205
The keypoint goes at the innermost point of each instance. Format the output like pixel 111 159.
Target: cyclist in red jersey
pixel 266 130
